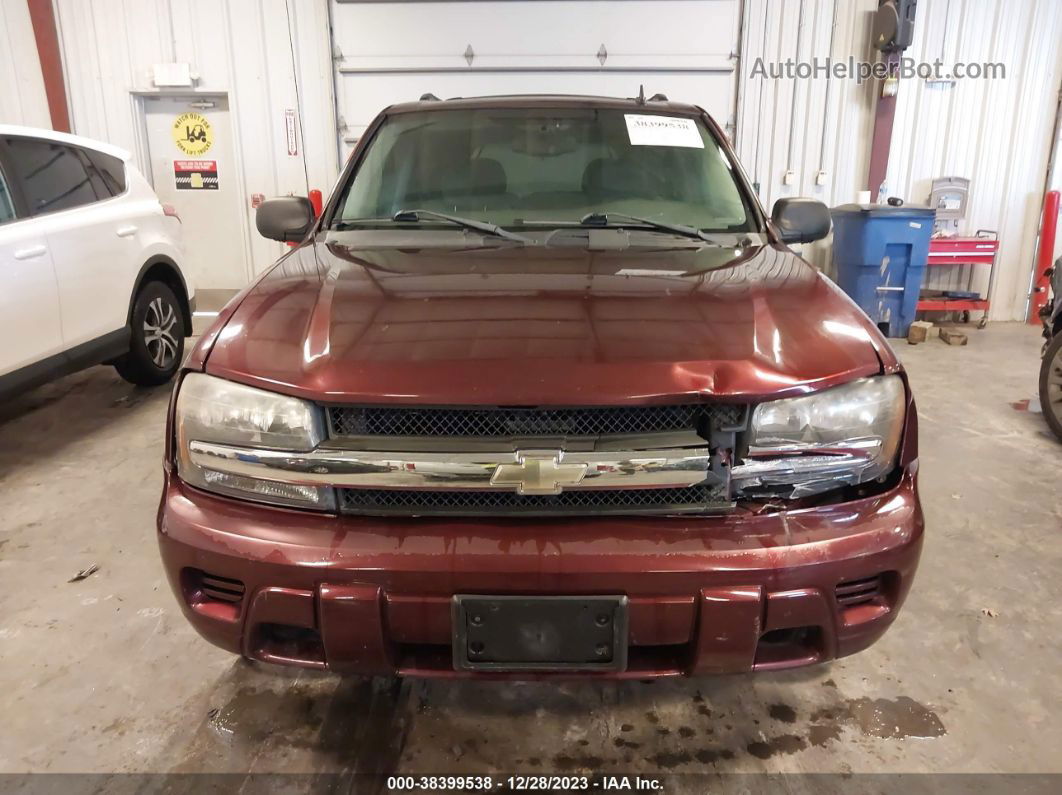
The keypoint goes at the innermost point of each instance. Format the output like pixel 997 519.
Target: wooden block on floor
pixel 953 337
pixel 919 332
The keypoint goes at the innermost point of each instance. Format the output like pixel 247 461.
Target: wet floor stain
pixel 883 718
pixel 670 759
pixel 709 756
pixel 820 735
pixel 263 720
pixel 782 744
pixel 896 718
pixel 260 720
pixel 782 712
pixel 252 715
pixel 567 764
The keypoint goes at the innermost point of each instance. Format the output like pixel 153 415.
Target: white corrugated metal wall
pixel 997 133
pixel 820 126
pixel 22 98
pixel 805 126
pixel 237 47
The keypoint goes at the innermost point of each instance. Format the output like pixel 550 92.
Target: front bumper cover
pixel 372 595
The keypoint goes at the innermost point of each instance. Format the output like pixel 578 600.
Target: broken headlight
pixel 839 437
pixel 222 412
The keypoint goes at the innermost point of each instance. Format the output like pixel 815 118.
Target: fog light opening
pixel 290 644
pixel 780 648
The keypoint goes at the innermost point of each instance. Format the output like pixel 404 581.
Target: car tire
pixel 156 345
pixel 1051 385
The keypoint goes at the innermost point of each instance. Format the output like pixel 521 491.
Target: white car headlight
pixel 842 436
pixel 217 411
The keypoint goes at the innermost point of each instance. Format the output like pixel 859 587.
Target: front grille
pixel 699 498
pixel 529 422
pixel 858 592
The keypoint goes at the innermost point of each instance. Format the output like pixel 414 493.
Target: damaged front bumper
pixel 704 594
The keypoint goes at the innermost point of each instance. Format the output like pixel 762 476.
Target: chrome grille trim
pixel 656 469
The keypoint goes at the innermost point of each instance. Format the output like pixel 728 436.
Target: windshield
pixel 529 166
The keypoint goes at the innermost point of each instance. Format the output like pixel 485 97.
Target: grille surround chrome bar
pixel 340 468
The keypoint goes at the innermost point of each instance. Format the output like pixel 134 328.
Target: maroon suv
pixel 542 392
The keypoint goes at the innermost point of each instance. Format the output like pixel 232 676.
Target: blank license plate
pixel 521 633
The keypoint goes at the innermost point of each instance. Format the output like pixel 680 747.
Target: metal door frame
pixel 143 150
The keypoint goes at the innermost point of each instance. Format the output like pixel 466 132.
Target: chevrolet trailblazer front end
pixel 542 393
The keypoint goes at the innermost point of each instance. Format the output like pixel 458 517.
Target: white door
pixel 395 52
pixel 29 302
pixel 190 152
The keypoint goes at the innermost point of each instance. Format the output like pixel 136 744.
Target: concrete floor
pixel 104 675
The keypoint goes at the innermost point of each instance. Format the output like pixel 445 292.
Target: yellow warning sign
pixel 193 134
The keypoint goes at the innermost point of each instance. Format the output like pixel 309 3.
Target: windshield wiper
pixel 485 227
pixel 606 219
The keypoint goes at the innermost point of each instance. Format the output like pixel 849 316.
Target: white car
pixel 89 264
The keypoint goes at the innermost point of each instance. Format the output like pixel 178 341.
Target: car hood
pixel 341 320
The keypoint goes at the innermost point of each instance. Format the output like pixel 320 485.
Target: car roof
pixel 549 101
pixel 65 138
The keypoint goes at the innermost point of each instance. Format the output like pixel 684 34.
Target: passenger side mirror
pixel 801 220
pixel 286 219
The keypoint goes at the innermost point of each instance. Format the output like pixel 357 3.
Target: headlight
pixel 222 412
pixel 842 436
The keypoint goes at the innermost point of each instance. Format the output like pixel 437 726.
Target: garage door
pixel 394 52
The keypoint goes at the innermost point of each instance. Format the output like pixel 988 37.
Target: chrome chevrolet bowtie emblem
pixel 538 473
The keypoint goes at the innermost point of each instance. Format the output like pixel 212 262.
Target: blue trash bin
pixel 880 254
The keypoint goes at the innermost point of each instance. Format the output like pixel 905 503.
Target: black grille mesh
pixel 521 422
pixel 588 501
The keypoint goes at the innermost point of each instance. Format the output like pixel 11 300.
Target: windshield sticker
pixel 663 131
pixel 647 272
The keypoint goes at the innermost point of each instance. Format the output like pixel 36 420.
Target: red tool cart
pixel 961 251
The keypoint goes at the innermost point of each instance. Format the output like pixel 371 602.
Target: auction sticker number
pixel 646 130
pixel 193 134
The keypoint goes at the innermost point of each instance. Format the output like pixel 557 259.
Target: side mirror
pixel 801 220
pixel 286 219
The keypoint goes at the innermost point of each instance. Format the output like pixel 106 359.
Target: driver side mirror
pixel 286 219
pixel 801 220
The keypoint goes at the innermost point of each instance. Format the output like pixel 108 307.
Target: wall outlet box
pixel 820 178
pixel 789 178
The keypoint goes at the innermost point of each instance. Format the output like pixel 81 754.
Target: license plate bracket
pixel 540 633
